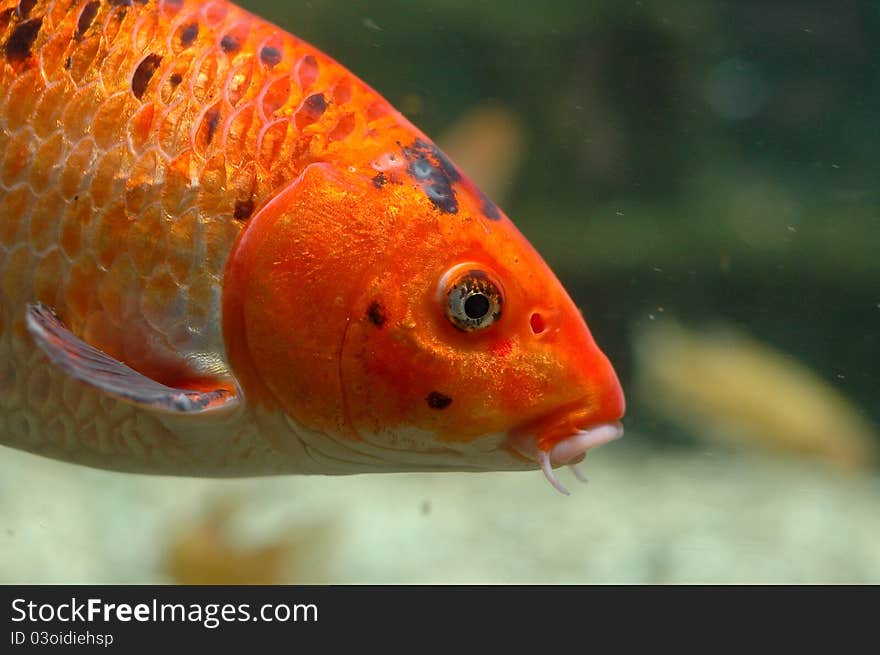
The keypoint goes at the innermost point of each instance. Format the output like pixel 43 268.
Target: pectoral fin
pixel 100 370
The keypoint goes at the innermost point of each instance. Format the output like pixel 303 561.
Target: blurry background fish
pixel 721 384
pixel 715 162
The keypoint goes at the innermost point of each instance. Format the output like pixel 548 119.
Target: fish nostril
pixel 537 323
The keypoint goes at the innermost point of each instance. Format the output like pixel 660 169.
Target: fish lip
pixel 564 449
pixel 567 433
pixel 574 448
pixel 568 449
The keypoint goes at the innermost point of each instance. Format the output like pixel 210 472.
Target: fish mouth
pixel 563 438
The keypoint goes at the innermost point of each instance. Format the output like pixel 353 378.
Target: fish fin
pixel 98 369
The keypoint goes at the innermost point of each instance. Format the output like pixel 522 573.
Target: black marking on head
pixel 189 34
pixel 24 7
pixel 447 166
pixel 376 314
pixel 86 17
pixel 379 180
pixel 435 173
pixel 437 400
pixel 68 62
pixel 144 73
pixel 175 79
pixel 443 197
pixel 316 104
pixel 243 209
pixel 270 56
pixel 490 209
pixel 229 44
pixel 213 118
pixel 18 47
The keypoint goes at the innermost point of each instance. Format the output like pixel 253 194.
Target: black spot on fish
pixel 188 34
pixel 144 73
pixel 316 104
pixel 243 210
pixel 376 314
pixel 435 173
pixel 24 7
pixel 437 400
pixel 18 47
pixel 443 197
pixel 68 63
pixel 489 208
pixel 270 56
pixel 379 180
pixel 229 43
pixel 447 166
pixel 86 17
pixel 175 79
pixel 422 169
pixel 212 118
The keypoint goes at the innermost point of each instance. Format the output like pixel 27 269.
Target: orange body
pixel 212 201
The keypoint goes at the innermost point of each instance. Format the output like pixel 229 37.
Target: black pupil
pixel 476 306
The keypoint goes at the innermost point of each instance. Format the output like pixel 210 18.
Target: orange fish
pixel 223 254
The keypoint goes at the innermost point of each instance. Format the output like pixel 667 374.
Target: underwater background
pixel 703 177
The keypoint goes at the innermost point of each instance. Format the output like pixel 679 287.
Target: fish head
pixel 397 310
pixel 467 344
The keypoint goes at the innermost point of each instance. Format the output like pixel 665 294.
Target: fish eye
pixel 473 301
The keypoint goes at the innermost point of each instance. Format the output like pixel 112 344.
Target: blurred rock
pixel 213 550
